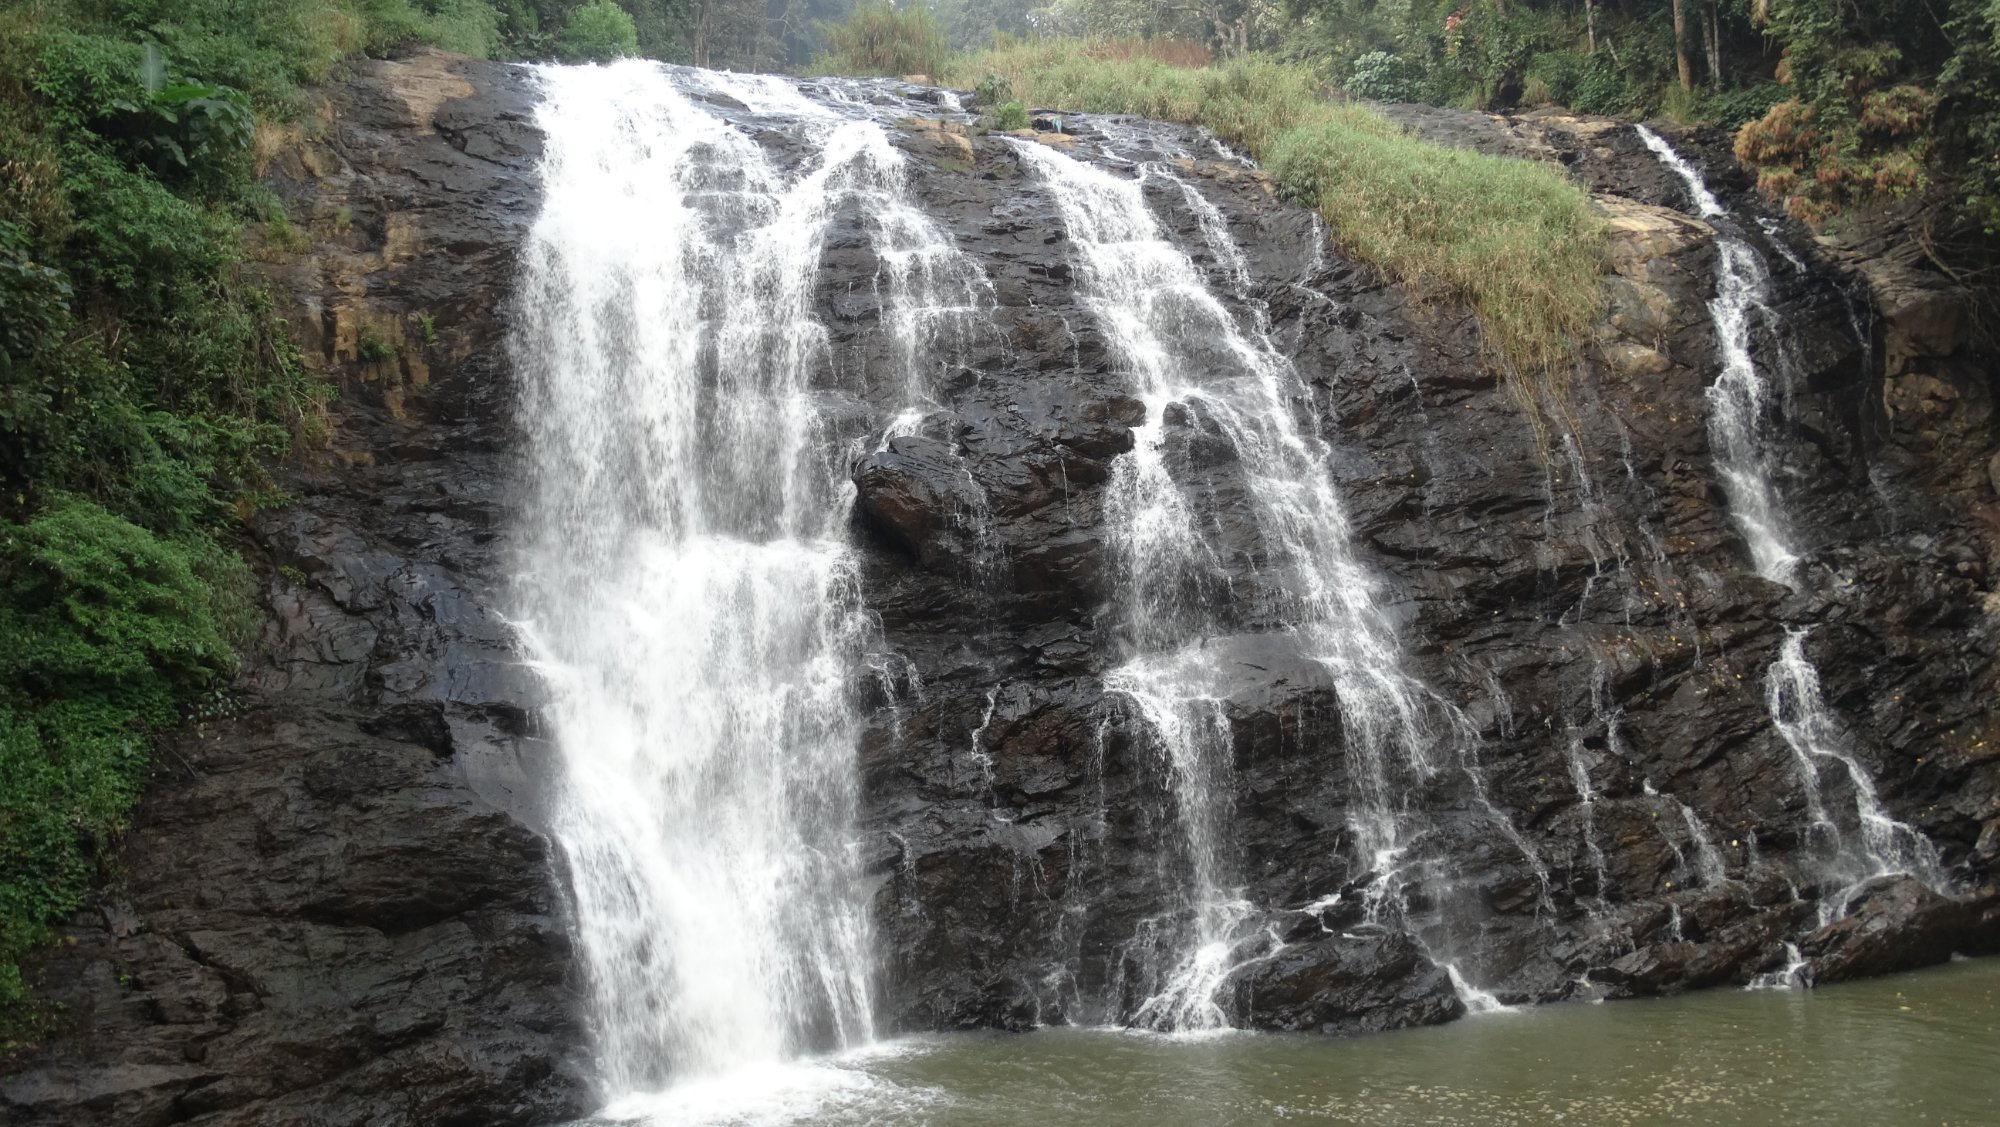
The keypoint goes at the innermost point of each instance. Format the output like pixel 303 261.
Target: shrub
pixel 1379 76
pixel 598 32
pixel 134 237
pixel 993 90
pixel 469 27
pixel 1010 115
pixel 106 631
pixel 1601 88
pixel 1732 109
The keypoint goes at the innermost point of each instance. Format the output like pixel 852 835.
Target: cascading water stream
pixel 1738 401
pixel 1745 432
pixel 1194 367
pixel 1880 844
pixel 686 588
pixel 1586 797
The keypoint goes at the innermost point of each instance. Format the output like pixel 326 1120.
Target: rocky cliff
pixel 332 906
pixel 336 906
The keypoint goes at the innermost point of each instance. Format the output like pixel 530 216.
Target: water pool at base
pixel 1913 1049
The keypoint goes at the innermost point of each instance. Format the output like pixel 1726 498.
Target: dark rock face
pixel 333 908
pixel 1891 924
pixel 339 902
pixel 1588 599
pixel 1349 984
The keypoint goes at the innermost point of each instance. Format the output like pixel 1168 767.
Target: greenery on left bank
pixel 147 385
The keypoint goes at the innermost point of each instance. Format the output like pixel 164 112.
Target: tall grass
pixel 883 39
pixel 1173 52
pixel 1515 240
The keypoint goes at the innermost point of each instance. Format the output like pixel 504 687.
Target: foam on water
pixel 770 1094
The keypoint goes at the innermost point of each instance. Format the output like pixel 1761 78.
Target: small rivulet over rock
pixel 1645 767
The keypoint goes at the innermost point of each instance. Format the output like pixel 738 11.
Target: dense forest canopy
pixel 146 386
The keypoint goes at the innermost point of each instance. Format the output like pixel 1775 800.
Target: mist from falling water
pixel 1186 355
pixel 685 587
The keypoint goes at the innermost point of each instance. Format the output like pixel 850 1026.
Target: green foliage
pixel 34 299
pixel 1585 82
pixel 598 32
pixel 1379 76
pixel 1228 27
pixel 370 345
pixel 1886 101
pixel 879 38
pixel 106 633
pixel 993 90
pixel 1010 115
pixel 1514 239
pixel 1528 52
pixel 188 127
pixel 145 383
pixel 136 238
pixel 972 24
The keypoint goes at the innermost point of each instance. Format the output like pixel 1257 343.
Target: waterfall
pixel 1882 844
pixel 1195 368
pixel 1743 427
pixel 1586 797
pixel 685 585
pixel 1739 414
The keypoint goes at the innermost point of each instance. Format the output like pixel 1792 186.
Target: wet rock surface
pixel 1349 984
pixel 1586 597
pixel 1889 924
pixel 333 907
pixel 339 901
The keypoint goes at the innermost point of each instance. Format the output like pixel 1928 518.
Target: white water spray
pixel 1194 366
pixel 1586 797
pixel 685 587
pixel 1878 844
pixel 1738 408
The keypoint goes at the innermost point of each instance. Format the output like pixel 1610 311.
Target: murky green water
pixel 1913 1049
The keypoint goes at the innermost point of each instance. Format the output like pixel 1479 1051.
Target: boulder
pixel 1890 924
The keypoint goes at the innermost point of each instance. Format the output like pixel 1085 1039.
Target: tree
pixel 598 32
pixel 1230 27
pixel 1711 41
pixel 1680 47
